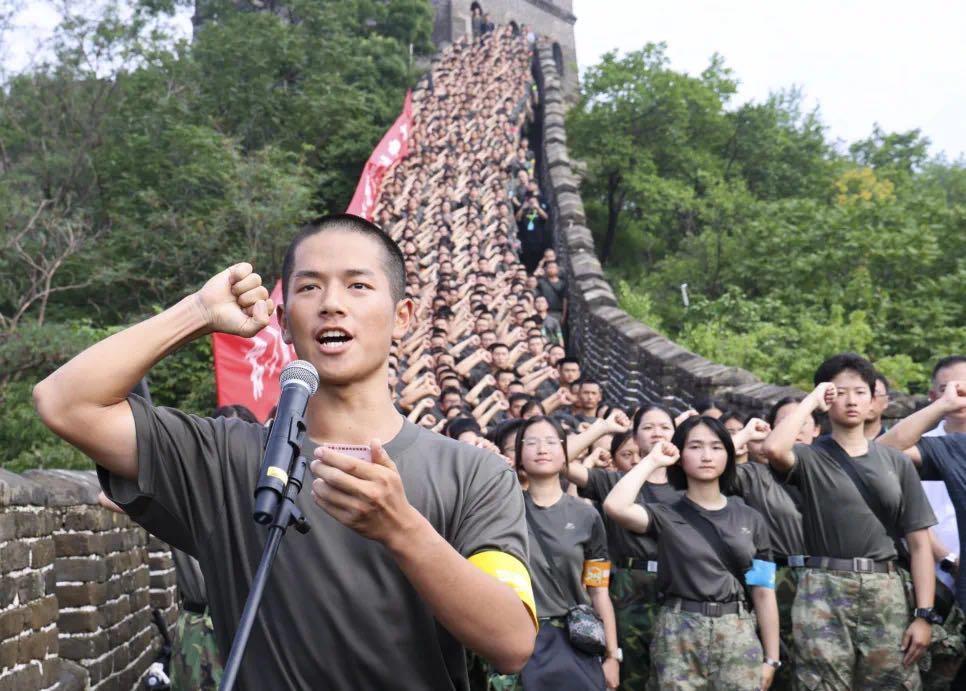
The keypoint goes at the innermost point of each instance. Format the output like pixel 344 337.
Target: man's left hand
pixel 365 496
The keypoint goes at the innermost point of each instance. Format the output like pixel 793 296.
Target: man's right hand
pixel 235 301
pixel 823 396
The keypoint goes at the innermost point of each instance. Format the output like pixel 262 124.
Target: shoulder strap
pixel 845 462
pixel 709 531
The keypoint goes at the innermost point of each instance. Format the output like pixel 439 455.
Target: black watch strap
pixel 927 613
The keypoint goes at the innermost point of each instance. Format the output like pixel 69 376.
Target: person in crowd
pixel 780 505
pixel 853 626
pixel 383 531
pixel 711 547
pixel 874 426
pixel 635 588
pixel 710 407
pixel 553 286
pixel 941 458
pixel 569 564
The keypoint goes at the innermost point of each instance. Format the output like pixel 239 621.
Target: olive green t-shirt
pixel 337 613
pixel 837 522
pixel 573 533
pixel 622 543
pixel 777 502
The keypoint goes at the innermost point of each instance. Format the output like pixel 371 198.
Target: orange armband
pixel 596 574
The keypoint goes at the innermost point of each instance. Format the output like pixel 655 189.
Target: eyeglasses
pixel 534 442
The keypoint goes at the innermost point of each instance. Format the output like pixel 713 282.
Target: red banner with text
pixel 247 369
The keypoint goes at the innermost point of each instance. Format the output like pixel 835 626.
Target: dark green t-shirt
pixel 690 566
pixel 573 533
pixel 777 502
pixel 622 543
pixel 337 613
pixel 837 522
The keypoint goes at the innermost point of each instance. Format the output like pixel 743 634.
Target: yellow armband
pixel 596 574
pixel 508 569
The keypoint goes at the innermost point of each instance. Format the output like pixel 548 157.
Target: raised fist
pixel 618 422
pixel 954 396
pixel 664 453
pixel 757 429
pixel 824 395
pixel 236 302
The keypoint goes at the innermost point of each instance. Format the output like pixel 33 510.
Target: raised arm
pixel 778 445
pixel 621 504
pixel 905 435
pixel 85 400
pixel 615 423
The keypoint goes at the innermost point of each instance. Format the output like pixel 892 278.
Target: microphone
pixel 298 381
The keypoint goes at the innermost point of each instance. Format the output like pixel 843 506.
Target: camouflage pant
pixel 636 606
pixel 848 629
pixel 691 651
pixel 941 664
pixel 786 583
pixel 194 656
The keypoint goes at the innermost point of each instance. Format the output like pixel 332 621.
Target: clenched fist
pixel 236 302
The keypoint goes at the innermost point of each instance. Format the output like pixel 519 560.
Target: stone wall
pixel 635 363
pixel 77 587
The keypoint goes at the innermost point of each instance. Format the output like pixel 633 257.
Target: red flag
pixel 247 369
pixel 392 149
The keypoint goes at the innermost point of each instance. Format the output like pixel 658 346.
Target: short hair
pixel 504 371
pixel 460 425
pixel 704 404
pixel 236 410
pixel 568 361
pixel 733 415
pixel 836 364
pixel 518 397
pixel 781 403
pixel 879 377
pixel 589 380
pixel 449 390
pixel 948 361
pixel 494 346
pixel 500 434
pixel 675 473
pixel 393 263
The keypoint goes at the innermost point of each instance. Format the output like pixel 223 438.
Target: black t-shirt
pixel 554 291
pixel 690 566
pixel 573 533
pixel 778 503
pixel 338 613
pixel 622 543
pixel 837 522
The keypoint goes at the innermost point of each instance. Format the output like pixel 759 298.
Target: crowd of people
pixel 670 549
pixel 796 579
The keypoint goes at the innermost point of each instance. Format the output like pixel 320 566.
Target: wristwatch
pixel 775 664
pixel 618 655
pixel 927 613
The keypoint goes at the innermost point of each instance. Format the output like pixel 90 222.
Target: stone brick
pixel 33 646
pixel 79 595
pixel 9 651
pixel 79 544
pixel 8 526
pixel 42 553
pixel 140 599
pixel 43 612
pixel 81 569
pixel 84 647
pixel 50 580
pixel 161 562
pixel 78 621
pixel 14 556
pixel 116 610
pixel 31 586
pixel 121 632
pixel 29 677
pixel 29 524
pixel 12 622
pixel 161 599
pixel 87 518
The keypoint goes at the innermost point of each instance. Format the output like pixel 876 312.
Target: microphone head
pixel 300 371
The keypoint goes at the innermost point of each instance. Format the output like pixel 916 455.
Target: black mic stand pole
pixel 287 514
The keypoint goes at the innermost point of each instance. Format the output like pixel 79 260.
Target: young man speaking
pixel 410 558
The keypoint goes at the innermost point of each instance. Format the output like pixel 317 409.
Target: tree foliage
pixel 134 165
pixel 791 250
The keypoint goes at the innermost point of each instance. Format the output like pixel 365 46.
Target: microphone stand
pixel 286 515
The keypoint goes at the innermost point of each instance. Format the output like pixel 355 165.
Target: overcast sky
pixel 900 64
pixel 896 63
